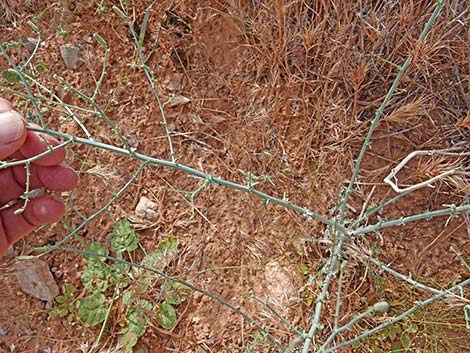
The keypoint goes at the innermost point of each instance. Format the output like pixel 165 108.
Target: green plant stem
pixel 338 294
pixel 98 110
pixel 9 164
pixel 404 278
pixel 106 318
pixel 380 111
pixel 25 84
pixel 103 69
pixel 25 195
pixel 336 255
pixel 150 78
pixel 377 208
pixel 33 54
pixel 346 327
pixel 400 221
pixel 400 317
pixel 48 249
pixel 65 106
pixel 212 180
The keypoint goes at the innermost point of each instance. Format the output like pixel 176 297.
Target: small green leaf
pixel 173 299
pixel 62 312
pixel 124 237
pixel 14 44
pixel 60 299
pixel 120 13
pixel 92 309
pixel 304 270
pixel 11 76
pixel 69 290
pixel 166 316
pixel 33 26
pixel 164 254
pixel 169 245
pixel 127 297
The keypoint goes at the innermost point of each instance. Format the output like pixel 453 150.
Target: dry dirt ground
pixel 284 89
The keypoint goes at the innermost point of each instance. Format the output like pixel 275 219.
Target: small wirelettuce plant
pixel 112 273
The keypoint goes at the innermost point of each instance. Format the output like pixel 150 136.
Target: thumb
pixel 12 130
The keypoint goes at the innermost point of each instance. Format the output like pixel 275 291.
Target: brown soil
pixel 279 89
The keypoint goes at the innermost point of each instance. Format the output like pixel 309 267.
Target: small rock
pixel 147 209
pixel 36 279
pixel 30 43
pixel 174 82
pixel 70 54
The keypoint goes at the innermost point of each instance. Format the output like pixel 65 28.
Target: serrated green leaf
pixel 92 309
pixel 165 253
pixel 11 76
pixel 166 316
pixel 173 299
pixel 137 323
pixel 95 277
pixel 127 297
pixel 96 248
pixel 124 237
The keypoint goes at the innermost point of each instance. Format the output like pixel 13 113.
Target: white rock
pixel 147 209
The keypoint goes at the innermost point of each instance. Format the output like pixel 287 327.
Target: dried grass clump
pixel 8 9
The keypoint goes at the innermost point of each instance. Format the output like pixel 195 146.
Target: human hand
pixel 46 172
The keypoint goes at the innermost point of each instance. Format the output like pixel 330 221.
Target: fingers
pixel 12 130
pixel 37 143
pixel 16 141
pixel 40 211
pixel 56 178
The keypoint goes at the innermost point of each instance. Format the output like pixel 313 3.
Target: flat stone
pixel 70 54
pixel 35 279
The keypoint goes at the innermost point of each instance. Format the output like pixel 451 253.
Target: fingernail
pixel 11 127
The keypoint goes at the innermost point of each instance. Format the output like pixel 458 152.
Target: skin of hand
pixel 16 142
